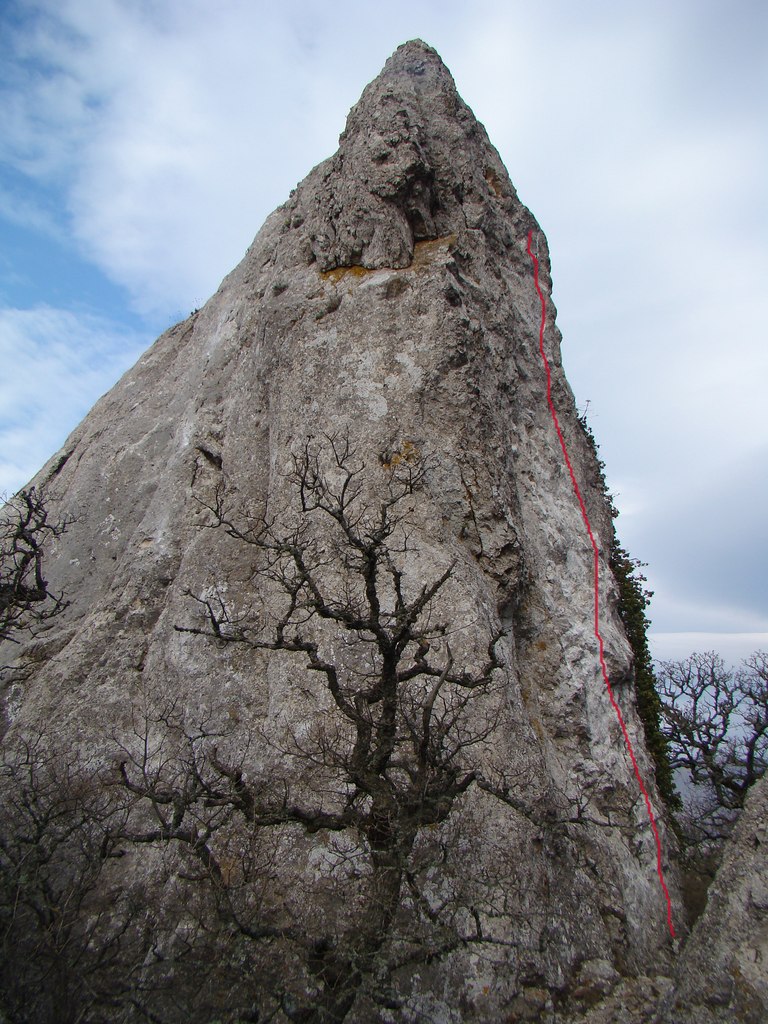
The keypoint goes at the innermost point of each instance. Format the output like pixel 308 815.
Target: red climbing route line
pixel 585 517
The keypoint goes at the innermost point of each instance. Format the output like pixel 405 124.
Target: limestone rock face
pixel 390 302
pixel 722 974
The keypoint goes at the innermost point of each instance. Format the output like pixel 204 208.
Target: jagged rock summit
pixel 328 567
pixel 413 165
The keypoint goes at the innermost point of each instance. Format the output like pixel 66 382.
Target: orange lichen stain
pixel 423 254
pixel 228 865
pixel 339 273
pixel 408 453
pixel 541 645
pixel 494 181
pixel 538 728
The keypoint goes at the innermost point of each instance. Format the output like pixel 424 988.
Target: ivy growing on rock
pixel 634 598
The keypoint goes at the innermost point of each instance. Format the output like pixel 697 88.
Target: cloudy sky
pixel 143 142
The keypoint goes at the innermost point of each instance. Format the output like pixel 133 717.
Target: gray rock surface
pixel 390 300
pixel 723 971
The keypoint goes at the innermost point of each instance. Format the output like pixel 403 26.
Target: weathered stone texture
pixel 390 299
pixel 723 971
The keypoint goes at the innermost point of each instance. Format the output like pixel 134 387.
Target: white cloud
pixel 17 209
pixel 636 135
pixel 57 365
pixel 732 647
pixel 674 609
pixel 178 128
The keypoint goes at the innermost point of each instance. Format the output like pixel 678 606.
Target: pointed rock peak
pixel 413 51
pixel 306 447
pixel 414 75
pixel 417 59
pixel 412 156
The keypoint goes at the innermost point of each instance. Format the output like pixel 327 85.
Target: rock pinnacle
pixel 331 622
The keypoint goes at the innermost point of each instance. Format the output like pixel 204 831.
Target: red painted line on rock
pixel 585 517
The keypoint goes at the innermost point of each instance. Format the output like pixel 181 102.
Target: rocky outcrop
pixel 722 975
pixel 390 305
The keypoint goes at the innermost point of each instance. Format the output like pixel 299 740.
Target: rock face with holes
pixel 389 302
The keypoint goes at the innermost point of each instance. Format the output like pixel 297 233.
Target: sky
pixel 144 142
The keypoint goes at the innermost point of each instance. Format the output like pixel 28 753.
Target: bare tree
pixel 752 684
pixel 397 740
pixel 89 932
pixel 297 871
pixel 716 723
pixel 26 599
pixel 65 928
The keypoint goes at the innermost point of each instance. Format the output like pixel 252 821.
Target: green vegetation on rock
pixel 634 598
pixel 633 601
